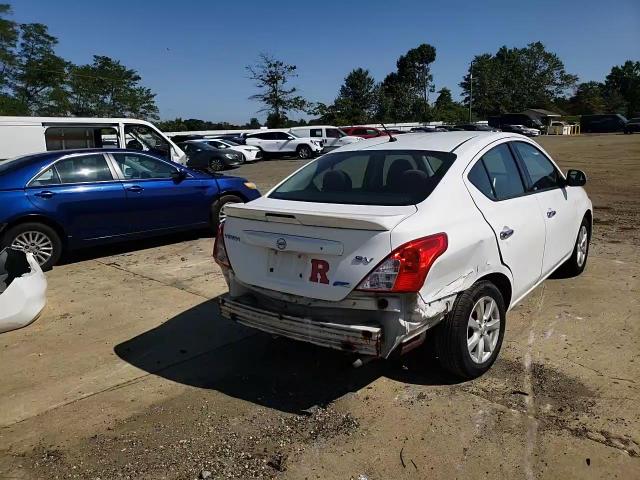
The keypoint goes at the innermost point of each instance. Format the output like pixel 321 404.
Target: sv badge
pixel 362 260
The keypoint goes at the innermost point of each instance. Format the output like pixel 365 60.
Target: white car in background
pixel 250 154
pixel 23 289
pixel 370 248
pixel 282 143
pixel 332 137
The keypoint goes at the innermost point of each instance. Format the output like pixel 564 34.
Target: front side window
pixel 281 136
pixel 135 167
pixel 334 133
pixel 379 177
pixel 503 172
pixel 542 173
pixel 360 131
pixel 83 169
pixel 145 138
pixel 315 132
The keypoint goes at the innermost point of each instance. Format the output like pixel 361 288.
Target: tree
pixel 38 75
pixel 253 123
pixel 622 88
pixel 588 99
pixel 106 88
pixel 8 40
pixel 271 77
pixel 446 110
pixel 357 98
pixel 515 79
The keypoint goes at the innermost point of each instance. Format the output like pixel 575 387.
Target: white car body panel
pixel 251 154
pixel 282 146
pixel 320 132
pixel 272 242
pixel 24 299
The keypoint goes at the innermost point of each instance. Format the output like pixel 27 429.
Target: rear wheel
pixel 37 238
pixel 217 214
pixel 469 338
pixel 304 152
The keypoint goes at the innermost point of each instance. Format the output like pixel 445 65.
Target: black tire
pixel 53 243
pixel 243 158
pixel 215 165
pixel 577 262
pixel 216 208
pixel 304 152
pixel 453 332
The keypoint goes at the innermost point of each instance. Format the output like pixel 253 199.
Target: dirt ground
pixel 130 373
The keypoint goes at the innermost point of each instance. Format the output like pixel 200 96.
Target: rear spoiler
pixel 316 219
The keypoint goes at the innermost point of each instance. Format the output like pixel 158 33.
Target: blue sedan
pixel 53 201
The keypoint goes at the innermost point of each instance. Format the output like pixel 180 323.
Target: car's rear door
pixel 155 200
pixel 497 188
pixel 84 194
pixel 556 203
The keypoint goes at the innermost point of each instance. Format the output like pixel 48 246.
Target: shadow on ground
pixel 200 349
pixel 118 248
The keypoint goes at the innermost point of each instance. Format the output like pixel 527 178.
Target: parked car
pixel 238 138
pixel 26 135
pixel 477 127
pixel 371 248
pixel 249 154
pixel 23 289
pixel 331 137
pixel 71 199
pixel 500 121
pixel 429 129
pixel 365 132
pixel 602 123
pixel 206 158
pixel 522 130
pixel 632 125
pixel 280 143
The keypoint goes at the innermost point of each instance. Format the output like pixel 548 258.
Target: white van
pixel 24 135
pixel 331 137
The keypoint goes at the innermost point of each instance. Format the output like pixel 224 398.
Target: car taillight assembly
pixel 219 250
pixel 406 268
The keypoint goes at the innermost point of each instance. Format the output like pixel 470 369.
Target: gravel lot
pixel 130 373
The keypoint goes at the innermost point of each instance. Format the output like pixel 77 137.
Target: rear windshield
pixel 368 177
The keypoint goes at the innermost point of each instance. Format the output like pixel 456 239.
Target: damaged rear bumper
pixel 24 298
pixel 362 339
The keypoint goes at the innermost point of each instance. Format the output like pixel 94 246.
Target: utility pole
pixel 471 89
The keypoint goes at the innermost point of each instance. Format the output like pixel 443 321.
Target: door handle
pixel 134 188
pixel 506 233
pixel 44 194
pixel 551 213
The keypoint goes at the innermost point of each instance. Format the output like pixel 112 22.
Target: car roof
pixel 434 141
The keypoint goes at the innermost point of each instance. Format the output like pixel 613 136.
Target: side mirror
pixel 576 178
pixel 178 175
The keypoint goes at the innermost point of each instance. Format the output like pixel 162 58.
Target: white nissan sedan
pixel 371 247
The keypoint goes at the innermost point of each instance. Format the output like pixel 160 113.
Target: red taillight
pixel 219 250
pixel 406 268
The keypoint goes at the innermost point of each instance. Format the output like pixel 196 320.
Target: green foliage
pixel 106 88
pixel 448 111
pixel 271 77
pixel 588 99
pixel 357 98
pixel 36 81
pixel 622 88
pixel 515 79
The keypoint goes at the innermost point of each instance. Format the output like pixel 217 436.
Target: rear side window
pixel 503 172
pixel 48 177
pixel 378 177
pixel 542 173
pixel 480 179
pixel 83 169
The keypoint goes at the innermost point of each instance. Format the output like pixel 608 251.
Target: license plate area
pixel 290 266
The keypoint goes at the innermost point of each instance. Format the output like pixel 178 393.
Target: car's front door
pixel 285 142
pixel 83 193
pixel 546 184
pixel 498 190
pixel 156 200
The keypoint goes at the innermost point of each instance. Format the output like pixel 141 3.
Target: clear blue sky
pixel 193 53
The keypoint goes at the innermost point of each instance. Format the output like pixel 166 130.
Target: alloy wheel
pixel 582 246
pixel 483 329
pixel 37 243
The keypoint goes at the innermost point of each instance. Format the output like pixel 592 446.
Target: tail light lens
pixel 406 268
pixel 219 250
